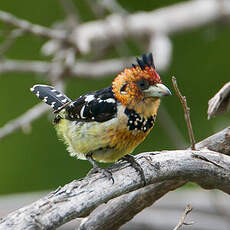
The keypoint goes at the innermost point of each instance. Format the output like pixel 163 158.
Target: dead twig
pixel 186 113
pixel 182 222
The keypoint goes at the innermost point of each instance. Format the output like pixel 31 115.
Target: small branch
pixel 55 70
pixel 186 113
pixel 9 40
pixel 96 8
pixel 8 65
pixel 98 69
pixel 113 6
pixel 24 120
pixel 33 28
pixel 182 222
pixel 71 12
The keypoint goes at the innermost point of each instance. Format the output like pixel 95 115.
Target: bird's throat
pixel 146 107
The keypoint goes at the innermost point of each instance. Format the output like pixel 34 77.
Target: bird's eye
pixel 123 89
pixel 143 84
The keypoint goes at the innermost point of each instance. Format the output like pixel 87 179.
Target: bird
pixel 108 124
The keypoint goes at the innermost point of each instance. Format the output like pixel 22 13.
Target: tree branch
pixel 7 66
pixel 81 197
pixel 37 30
pixel 220 103
pixel 167 20
pixel 10 39
pixel 24 120
pixel 122 209
pixel 97 69
pixel 218 142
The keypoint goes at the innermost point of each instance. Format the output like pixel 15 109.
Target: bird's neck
pixel 146 107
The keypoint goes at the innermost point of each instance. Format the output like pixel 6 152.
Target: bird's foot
pixel 105 172
pixel 130 159
pixel 97 169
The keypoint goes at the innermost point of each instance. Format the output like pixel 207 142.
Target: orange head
pixel 138 83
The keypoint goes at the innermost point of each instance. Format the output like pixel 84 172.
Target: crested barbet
pixel 108 124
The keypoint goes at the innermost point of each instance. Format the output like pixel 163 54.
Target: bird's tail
pixel 51 96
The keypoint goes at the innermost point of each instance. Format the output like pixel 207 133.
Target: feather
pixel 141 63
pixel 50 96
pixel 147 60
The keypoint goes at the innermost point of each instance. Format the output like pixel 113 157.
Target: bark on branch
pixel 209 169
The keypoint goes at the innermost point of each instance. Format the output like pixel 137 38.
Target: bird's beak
pixel 157 90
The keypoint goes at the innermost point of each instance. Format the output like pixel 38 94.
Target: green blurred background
pixel 36 160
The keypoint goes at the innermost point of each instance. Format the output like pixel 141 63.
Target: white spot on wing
pixel 37 94
pixel 89 98
pixel 32 89
pixel 110 100
pixel 53 104
pixel 45 99
pixel 64 100
pixel 82 112
pixel 59 95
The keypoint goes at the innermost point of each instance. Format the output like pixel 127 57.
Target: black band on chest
pixel 135 122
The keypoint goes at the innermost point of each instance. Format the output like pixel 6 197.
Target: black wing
pixel 98 106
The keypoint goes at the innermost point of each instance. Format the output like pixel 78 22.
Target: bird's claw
pixel 130 159
pixel 105 172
